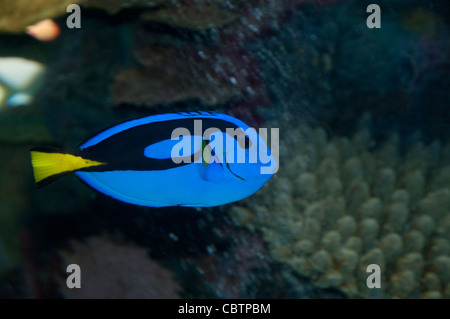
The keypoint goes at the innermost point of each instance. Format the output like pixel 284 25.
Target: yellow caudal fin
pixel 49 163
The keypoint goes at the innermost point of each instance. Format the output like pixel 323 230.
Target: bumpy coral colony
pixel 339 204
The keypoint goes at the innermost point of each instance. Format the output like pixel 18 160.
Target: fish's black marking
pixel 228 166
pixel 125 150
pixel 51 179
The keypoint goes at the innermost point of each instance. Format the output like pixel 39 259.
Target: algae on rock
pixel 16 15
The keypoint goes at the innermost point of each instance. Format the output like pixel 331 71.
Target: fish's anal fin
pixel 49 165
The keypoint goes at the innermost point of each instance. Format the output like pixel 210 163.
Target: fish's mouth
pixel 228 166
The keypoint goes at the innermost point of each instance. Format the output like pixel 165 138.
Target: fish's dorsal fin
pixel 146 120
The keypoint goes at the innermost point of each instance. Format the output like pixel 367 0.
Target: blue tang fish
pixel 196 159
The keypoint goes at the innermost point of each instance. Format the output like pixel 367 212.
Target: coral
pixel 207 14
pixel 114 6
pixel 213 66
pixel 211 74
pixel 418 62
pixel 116 270
pixel 16 15
pixel 196 15
pixel 422 21
pixel 339 204
pixel 229 273
pixel 199 14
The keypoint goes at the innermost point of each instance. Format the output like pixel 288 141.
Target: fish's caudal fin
pixel 49 165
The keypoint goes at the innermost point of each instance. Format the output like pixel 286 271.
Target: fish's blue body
pixel 140 168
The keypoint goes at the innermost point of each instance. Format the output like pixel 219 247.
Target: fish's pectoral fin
pixel 206 153
pixel 213 170
pixel 50 165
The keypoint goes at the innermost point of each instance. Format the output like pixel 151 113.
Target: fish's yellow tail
pixel 49 165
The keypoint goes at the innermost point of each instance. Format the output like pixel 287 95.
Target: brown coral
pixel 337 206
pixel 211 74
pixel 114 6
pixel 16 15
pixel 197 15
pixel 112 270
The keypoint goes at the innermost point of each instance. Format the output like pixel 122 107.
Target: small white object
pixel 19 74
pixel 19 99
pixel 173 237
